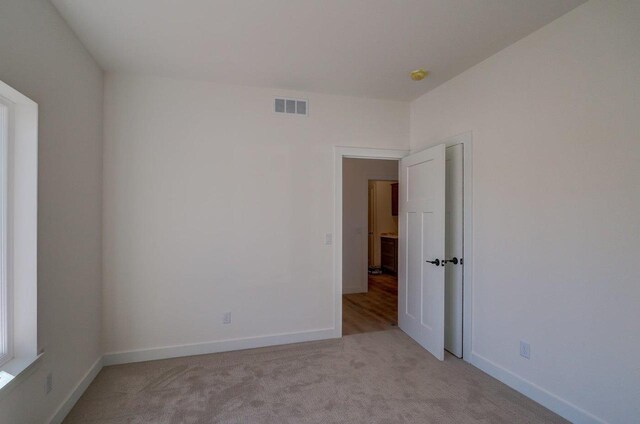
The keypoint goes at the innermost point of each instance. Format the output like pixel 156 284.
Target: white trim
pixel 365 153
pixel 22 223
pixel 66 406
pixel 556 404
pixel 6 305
pixel 117 358
pixel 545 398
pixel 165 352
pixel 339 154
pixel 20 369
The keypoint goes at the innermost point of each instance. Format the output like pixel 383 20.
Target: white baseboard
pixel 182 350
pixel 545 398
pixel 553 402
pixel 77 391
pixel 116 358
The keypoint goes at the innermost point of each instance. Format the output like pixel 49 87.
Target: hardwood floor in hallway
pixel 375 310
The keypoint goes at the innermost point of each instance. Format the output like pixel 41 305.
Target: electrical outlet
pixel 525 349
pixel 328 239
pixel 226 318
pixel 48 383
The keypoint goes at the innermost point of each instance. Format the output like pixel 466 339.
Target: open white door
pixel 421 242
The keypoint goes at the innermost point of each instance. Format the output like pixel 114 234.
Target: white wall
pixel 556 132
pixel 40 57
pixel 356 174
pixel 214 203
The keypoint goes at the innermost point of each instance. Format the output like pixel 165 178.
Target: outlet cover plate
pixel 525 349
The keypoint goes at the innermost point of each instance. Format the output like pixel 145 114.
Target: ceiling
pixel 350 47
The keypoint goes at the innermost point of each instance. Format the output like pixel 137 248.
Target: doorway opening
pixel 387 277
pixel 370 304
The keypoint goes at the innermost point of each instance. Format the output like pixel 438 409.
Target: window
pixel 18 234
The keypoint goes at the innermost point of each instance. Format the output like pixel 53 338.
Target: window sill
pixel 15 371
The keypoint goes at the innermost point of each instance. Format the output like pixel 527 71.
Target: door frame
pixel 341 153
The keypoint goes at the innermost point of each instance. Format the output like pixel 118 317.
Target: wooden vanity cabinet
pixel 389 254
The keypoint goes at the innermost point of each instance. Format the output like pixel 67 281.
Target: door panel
pixel 454 224
pixel 414 266
pixel 421 239
pixel 429 311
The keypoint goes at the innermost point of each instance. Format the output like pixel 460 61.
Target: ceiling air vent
pixel 291 106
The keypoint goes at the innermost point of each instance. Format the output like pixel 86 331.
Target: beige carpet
pixel 381 377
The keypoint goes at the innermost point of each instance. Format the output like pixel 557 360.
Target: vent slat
pixel 291 106
pixel 280 105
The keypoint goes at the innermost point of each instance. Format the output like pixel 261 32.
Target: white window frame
pixel 6 305
pixel 18 246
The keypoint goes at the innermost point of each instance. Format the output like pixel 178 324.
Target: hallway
pixel 375 310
